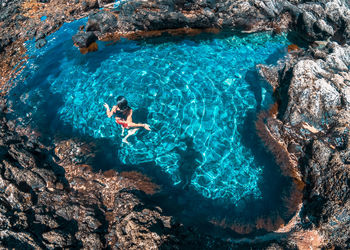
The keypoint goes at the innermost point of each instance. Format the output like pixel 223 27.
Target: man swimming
pixel 123 117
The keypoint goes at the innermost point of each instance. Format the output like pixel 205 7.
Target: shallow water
pixel 200 95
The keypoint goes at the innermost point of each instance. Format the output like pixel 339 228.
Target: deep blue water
pixel 200 95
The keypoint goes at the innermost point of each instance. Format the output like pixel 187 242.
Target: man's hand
pixel 146 126
pixel 109 113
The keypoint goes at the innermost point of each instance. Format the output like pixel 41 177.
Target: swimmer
pixel 123 117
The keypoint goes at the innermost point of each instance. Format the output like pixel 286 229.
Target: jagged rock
pixel 15 240
pixel 40 43
pixel 89 4
pixel 327 202
pixel 102 22
pixel 314 99
pixel 322 26
pixel 58 238
pixel 313 21
pixel 316 120
pixel 39 36
pixel 35 204
pixel 102 2
pixel 84 39
pixel 4 42
pixel 325 19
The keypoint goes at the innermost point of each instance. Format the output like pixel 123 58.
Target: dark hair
pixel 122 104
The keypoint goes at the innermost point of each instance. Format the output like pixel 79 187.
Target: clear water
pixel 197 94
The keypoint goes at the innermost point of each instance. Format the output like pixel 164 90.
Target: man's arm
pixel 110 112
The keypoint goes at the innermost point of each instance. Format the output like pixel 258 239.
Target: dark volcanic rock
pixel 102 2
pixel 4 42
pixel 102 22
pixel 324 19
pixel 316 120
pixel 40 43
pixel 36 206
pixel 327 203
pixel 88 5
pixel 84 39
pixel 312 20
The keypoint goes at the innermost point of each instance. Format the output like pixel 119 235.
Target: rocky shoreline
pixel 50 202
pixel 310 133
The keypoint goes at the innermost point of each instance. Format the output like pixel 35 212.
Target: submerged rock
pixel 84 39
pixel 40 43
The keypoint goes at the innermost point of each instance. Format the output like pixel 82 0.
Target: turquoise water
pixel 197 94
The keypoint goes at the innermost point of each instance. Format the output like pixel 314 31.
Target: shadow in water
pixel 93 60
pixel 295 38
pixel 40 113
pixel 188 163
pixel 275 56
pixel 273 185
pixel 253 79
pixel 203 36
pixel 192 209
pixel 140 115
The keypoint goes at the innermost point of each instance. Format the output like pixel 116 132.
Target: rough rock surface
pixel 38 209
pixel 324 104
pixel 319 20
pixel 43 205
pixel 84 39
pixel 46 205
pixel 102 22
pixel 313 126
pixel 30 19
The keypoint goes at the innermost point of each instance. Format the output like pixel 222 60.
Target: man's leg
pixel 130 132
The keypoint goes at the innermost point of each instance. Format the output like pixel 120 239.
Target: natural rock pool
pixel 200 95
